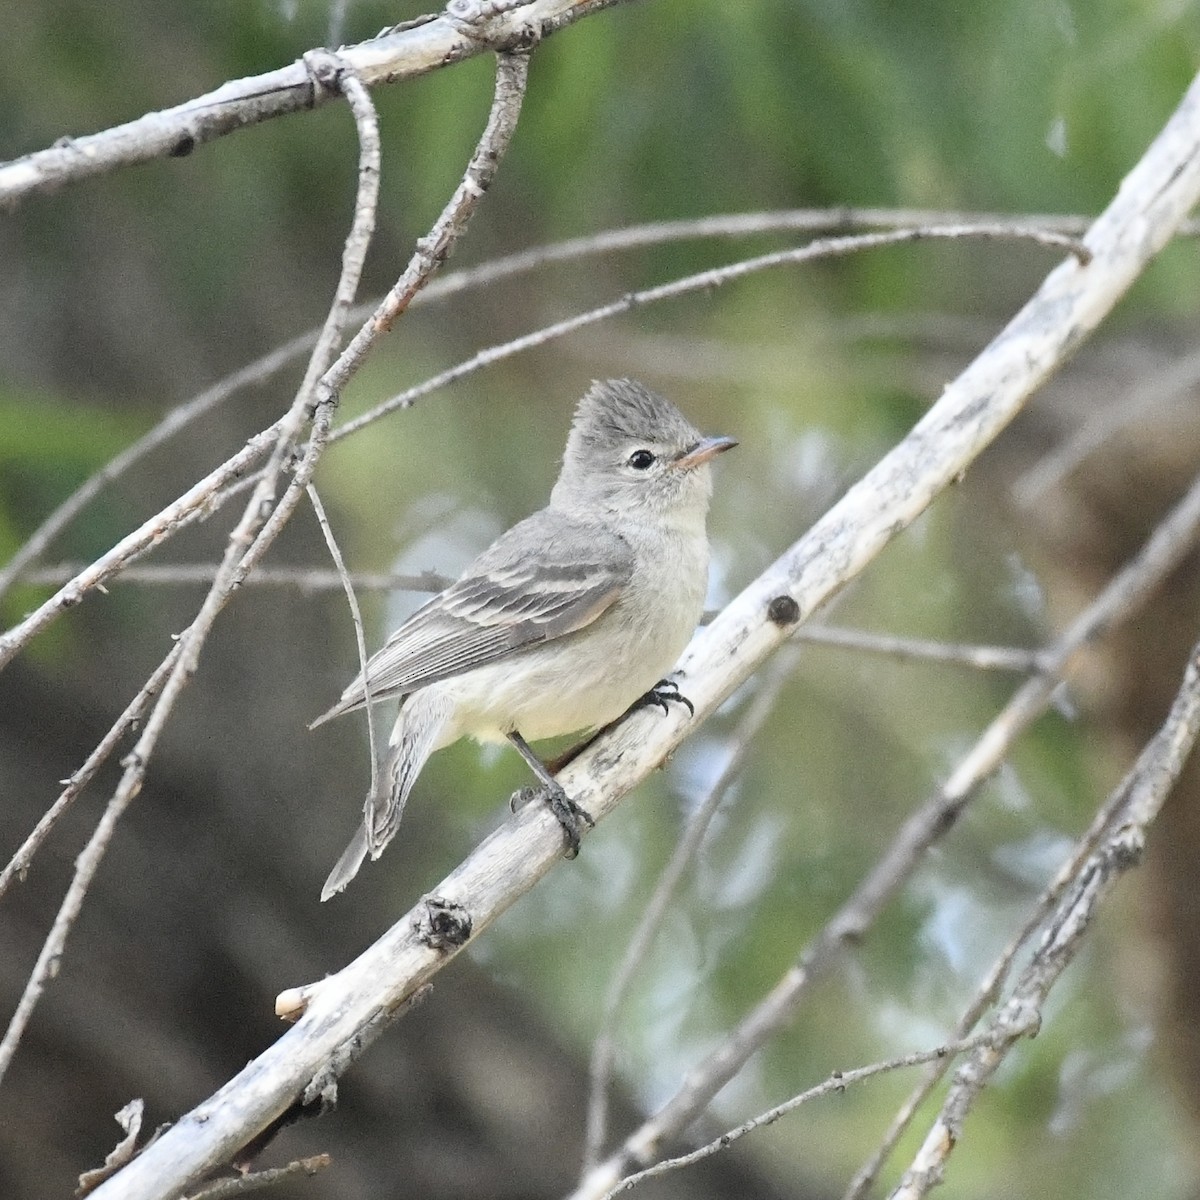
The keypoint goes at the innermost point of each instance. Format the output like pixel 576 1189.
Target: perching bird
pixel 561 623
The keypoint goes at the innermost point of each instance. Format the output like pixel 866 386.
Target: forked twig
pixel 834 1085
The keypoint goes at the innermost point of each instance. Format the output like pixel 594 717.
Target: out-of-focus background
pixel 122 296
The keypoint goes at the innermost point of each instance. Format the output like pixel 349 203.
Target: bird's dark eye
pixel 641 460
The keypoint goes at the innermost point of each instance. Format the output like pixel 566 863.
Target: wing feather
pixel 546 577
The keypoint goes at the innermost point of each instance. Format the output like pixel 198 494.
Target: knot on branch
pixel 1126 847
pixel 442 924
pixel 325 69
pixel 783 610
pixel 472 17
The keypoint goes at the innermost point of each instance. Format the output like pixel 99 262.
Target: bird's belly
pixel 572 684
pixel 590 677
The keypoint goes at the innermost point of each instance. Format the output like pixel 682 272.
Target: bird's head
pixel 631 451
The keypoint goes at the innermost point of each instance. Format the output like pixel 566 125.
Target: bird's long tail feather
pixel 416 734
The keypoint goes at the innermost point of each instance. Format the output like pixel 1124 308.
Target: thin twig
pixel 703 281
pixel 336 75
pixel 1147 397
pixel 256 1180
pixel 303 579
pixel 148 534
pixel 604 1047
pixel 980 658
pixel 177 419
pixel 18 865
pixel 317 579
pixel 360 639
pixel 833 1086
pixel 1140 796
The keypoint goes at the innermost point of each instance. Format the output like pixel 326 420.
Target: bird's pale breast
pixel 590 677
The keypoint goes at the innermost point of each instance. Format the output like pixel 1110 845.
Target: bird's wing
pixel 547 576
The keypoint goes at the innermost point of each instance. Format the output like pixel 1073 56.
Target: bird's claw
pixel 662 695
pixel 573 818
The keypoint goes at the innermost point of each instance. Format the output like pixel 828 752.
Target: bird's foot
pixel 662 695
pixel 573 818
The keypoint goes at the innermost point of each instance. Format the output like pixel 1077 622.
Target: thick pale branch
pixel 1152 202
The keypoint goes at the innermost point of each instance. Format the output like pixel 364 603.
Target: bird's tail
pixel 347 866
pixel 415 736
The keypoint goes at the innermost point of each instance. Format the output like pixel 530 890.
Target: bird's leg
pixel 662 695
pixel 569 815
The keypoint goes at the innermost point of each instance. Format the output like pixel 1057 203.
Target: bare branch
pixel 1141 795
pixel 1124 595
pixel 336 76
pixel 303 579
pixel 704 281
pixel 240 1185
pixel 148 534
pixel 317 579
pixel 401 53
pixel 972 411
pixel 18 865
pixel 177 419
pixel 1152 394
pixel 834 1085
pixel 979 658
pixel 182 661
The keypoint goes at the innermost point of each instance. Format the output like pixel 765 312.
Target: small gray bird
pixel 563 622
